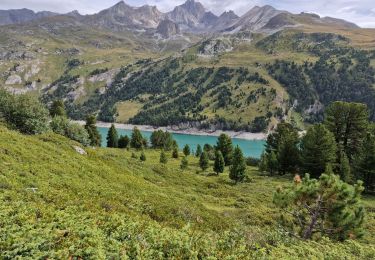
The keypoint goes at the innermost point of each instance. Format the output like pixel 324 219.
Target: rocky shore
pixel 189 131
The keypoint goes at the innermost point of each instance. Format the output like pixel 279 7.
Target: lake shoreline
pixel 190 131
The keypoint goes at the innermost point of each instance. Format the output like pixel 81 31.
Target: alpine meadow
pixel 187 130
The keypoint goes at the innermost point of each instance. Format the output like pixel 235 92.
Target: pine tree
pixel 57 108
pixel 273 164
pixel 199 151
pixel 225 146
pixel 123 142
pixel 365 163
pixel 349 123
pixel 325 207
pixel 263 163
pixel 318 148
pixel 344 167
pixel 137 141
pixel 238 168
pixel 163 157
pixel 112 137
pixel 162 140
pixel 284 143
pixel 204 161
pixel 219 164
pixel 143 157
pixel 186 150
pixel 92 130
pixel 175 153
pixel 184 163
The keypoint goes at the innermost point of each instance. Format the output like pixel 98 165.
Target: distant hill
pixel 21 16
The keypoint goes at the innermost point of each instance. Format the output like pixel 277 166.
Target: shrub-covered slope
pixel 57 203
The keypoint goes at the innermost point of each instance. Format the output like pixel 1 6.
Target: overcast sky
pixel 361 12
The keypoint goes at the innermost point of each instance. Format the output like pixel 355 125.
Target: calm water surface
pixel 253 148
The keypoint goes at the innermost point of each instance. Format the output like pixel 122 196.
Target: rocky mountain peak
pixel 74 13
pixel 256 18
pixel 194 8
pixel 119 8
pixel 229 15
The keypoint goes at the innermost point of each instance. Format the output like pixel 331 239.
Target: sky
pixel 361 12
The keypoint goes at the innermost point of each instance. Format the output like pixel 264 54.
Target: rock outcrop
pixel 13 80
pixel 167 28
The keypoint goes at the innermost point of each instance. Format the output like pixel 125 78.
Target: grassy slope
pixel 106 204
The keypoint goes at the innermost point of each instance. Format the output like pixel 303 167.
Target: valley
pixel 134 132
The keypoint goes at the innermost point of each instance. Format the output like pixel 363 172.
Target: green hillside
pixel 57 203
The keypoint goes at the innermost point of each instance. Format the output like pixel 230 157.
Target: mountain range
pixel 189 67
pixel 191 17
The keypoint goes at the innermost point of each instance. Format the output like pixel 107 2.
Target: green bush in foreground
pixel 24 113
pixel 62 125
pixel 106 205
pixel 325 207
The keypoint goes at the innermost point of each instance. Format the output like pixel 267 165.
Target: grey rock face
pixel 13 80
pixel 124 17
pixel 215 47
pixel 167 28
pixel 192 16
pixel 255 19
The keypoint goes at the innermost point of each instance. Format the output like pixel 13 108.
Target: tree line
pixel 345 141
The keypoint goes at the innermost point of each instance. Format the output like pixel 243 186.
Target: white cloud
pixel 361 12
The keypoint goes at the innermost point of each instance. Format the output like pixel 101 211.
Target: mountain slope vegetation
pixel 57 203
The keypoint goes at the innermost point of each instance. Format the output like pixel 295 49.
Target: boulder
pixel 13 80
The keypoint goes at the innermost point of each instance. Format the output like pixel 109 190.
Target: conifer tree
pixel 225 146
pixel 92 130
pixel 318 148
pixel 219 164
pixel 365 163
pixel 272 163
pixel 163 157
pixel 184 163
pixel 328 207
pixel 344 170
pixel 137 141
pixel 57 108
pixel 143 157
pixel 112 137
pixel 204 161
pixel 198 152
pixel 162 140
pixel 349 123
pixel 175 153
pixel 186 150
pixel 284 143
pixel 238 168
pixel 123 142
pixel 263 162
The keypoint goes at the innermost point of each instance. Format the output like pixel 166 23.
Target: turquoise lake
pixel 253 148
